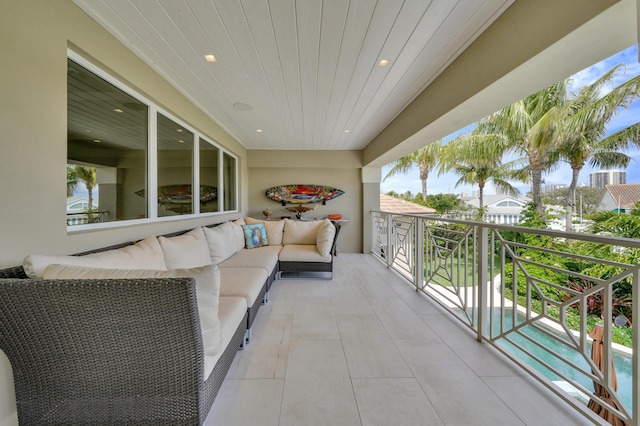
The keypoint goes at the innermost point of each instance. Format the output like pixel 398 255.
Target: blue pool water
pixel 622 361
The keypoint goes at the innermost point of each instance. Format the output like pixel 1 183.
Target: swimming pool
pixel 622 361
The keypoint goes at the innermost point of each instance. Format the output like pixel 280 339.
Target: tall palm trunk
pixel 570 196
pixel 424 174
pixel 536 192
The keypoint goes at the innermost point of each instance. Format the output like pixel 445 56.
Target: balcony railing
pixel 524 291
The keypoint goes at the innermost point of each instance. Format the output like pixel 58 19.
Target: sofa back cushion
pixel 207 292
pixel 274 229
pixel 189 250
pixel 324 239
pixel 146 254
pixel 300 232
pixel 224 241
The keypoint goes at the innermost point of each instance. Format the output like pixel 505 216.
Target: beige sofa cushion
pixel 207 293
pixel 324 239
pixel 302 253
pixel 300 232
pixel 265 257
pixel 242 282
pixel 224 241
pixel 231 311
pixel 274 229
pixel 189 250
pixel 146 254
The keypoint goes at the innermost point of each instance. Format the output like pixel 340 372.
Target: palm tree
pixel 478 162
pixel 425 158
pixel 584 125
pixel 84 174
pixel 530 128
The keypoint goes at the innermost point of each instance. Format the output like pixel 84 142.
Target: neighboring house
pixel 79 204
pixel 500 208
pixel 618 197
pixel 398 205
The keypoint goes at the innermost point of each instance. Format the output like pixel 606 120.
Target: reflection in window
pixel 230 202
pixel 175 168
pixel 209 158
pixel 106 149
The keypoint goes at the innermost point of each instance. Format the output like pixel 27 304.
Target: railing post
pixel 389 248
pixel 418 278
pixel 483 256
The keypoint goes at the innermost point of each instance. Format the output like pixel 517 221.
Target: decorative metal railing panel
pixel 533 294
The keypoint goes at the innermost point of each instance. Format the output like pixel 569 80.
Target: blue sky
pixel 446 182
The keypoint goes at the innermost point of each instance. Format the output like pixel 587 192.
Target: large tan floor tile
pixel 320 401
pixel 397 402
pixel 400 321
pixel 316 359
pixel 266 356
pixel 314 318
pixel 247 402
pixel 369 350
pixel 349 299
pixel 457 394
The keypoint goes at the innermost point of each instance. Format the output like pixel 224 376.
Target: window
pixel 122 149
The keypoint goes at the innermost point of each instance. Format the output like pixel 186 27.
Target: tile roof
pixel 626 195
pixel 398 205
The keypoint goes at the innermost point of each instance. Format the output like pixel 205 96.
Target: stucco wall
pixel 35 35
pixel 339 169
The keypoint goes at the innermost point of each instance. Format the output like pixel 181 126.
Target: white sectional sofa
pixel 182 303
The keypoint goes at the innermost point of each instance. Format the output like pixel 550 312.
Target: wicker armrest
pixel 125 351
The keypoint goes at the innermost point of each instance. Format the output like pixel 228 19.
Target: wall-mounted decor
pixel 181 195
pixel 303 194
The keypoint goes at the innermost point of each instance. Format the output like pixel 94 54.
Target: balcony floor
pixel 366 349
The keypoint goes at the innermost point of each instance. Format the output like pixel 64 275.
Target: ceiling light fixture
pixel 259 130
pixel 97 141
pixel 210 58
pixel 242 107
pixel 181 141
pixel 179 130
pixel 384 62
pixel 118 110
pixel 347 131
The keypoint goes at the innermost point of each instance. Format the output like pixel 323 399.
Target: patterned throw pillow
pixel 255 235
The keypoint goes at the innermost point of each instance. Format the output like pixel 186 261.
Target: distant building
pixel 553 187
pixel 501 208
pixel 618 197
pixel 607 177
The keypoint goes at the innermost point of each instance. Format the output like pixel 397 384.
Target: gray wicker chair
pixel 108 352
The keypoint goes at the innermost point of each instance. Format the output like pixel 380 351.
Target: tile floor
pixel 366 349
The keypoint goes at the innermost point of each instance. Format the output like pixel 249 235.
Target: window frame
pixel 152 159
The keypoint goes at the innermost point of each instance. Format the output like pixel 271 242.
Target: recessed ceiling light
pixel 383 62
pixel 181 141
pixel 97 141
pixel 88 131
pixel 347 131
pixel 118 110
pixel 179 130
pixel 210 58
pixel 242 107
pixel 259 130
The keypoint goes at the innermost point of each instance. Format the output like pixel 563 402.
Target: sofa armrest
pixel 124 351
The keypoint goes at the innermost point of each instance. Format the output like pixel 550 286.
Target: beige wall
pixel 339 169
pixel 34 38
pixel 35 35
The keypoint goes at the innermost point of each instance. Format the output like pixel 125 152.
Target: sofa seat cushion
pixel 207 296
pixel 262 257
pixel 231 311
pixel 242 282
pixel 145 254
pixel 302 253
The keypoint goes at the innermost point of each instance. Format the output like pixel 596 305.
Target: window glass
pixel 106 149
pixel 209 157
pixel 175 168
pixel 230 202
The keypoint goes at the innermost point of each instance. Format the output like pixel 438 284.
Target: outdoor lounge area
pixel 170 116
pixel 367 349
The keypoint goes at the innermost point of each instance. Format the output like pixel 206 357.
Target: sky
pixel 446 183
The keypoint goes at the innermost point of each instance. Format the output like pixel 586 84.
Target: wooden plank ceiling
pixel 304 72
